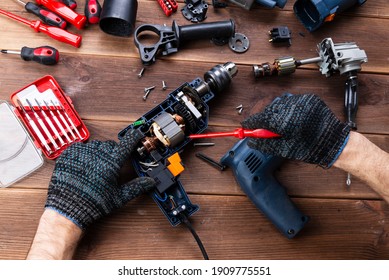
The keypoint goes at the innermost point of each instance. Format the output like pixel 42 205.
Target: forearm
pixel 56 238
pixel 366 161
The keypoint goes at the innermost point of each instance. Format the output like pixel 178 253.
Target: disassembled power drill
pixel 166 129
pixel 253 171
pixel 345 58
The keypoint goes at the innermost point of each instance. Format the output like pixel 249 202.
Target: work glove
pixel 309 130
pixel 84 185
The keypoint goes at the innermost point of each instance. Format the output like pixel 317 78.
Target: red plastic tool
pixel 70 3
pixel 46 16
pixel 45 55
pixel 168 6
pixel 64 11
pixel 92 11
pixel 54 32
pixel 239 133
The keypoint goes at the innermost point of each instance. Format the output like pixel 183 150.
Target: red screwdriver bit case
pixel 48 124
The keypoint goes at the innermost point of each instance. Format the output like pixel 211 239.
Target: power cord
pixel 188 224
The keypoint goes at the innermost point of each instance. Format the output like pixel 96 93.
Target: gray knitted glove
pixel 84 185
pixel 310 131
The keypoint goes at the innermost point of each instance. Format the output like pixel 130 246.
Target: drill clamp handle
pixel 170 38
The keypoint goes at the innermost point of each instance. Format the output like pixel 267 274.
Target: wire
pixel 186 221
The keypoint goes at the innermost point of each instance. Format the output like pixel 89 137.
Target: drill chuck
pixel 218 78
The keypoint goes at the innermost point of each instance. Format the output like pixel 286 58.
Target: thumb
pixel 136 187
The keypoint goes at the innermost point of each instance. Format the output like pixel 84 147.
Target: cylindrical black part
pixel 118 17
pixel 218 30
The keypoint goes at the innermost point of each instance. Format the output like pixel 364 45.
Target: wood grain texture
pixel 101 79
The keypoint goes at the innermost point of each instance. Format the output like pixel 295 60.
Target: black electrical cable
pixel 186 221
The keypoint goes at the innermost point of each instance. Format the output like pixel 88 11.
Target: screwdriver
pixel 54 32
pixel 45 15
pixel 92 11
pixel 239 133
pixel 42 125
pixel 50 123
pixel 35 128
pixel 43 55
pixel 64 11
pixel 58 123
pixel 70 3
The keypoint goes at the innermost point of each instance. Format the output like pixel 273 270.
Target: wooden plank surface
pixel 101 79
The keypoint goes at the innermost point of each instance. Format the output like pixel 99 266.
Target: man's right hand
pixel 310 131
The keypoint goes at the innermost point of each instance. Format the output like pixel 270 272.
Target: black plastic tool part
pixel 70 3
pixel 46 16
pixel 170 39
pixel 118 17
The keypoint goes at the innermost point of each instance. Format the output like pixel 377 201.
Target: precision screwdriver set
pixel 43 111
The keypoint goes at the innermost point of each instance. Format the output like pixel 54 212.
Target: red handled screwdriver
pixel 43 55
pixel 92 11
pixel 65 12
pixel 70 3
pixel 239 133
pixel 54 32
pixel 46 16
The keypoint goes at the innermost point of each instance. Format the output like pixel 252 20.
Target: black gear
pixel 190 123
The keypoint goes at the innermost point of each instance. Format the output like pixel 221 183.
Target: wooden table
pixel 101 79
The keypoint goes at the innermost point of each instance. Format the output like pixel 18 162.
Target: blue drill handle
pixel 271 3
pixel 253 171
pixel 313 13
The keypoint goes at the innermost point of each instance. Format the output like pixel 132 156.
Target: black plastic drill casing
pixel 253 171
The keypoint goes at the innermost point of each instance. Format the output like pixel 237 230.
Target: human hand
pixel 84 185
pixel 310 131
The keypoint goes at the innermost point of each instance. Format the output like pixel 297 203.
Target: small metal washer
pixel 239 43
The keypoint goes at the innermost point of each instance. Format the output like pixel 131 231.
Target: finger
pixel 127 145
pixel 136 187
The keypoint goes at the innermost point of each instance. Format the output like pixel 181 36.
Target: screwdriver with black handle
pixel 45 55
pixel 70 3
pixel 46 16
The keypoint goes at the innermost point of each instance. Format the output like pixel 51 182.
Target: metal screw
pixel 140 74
pixel 146 94
pixel 239 107
pixel 149 88
pixel 240 111
pixel 164 87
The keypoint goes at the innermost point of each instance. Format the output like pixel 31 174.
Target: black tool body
pixel 170 39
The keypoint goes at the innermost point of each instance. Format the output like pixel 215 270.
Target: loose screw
pixel 140 74
pixel 164 87
pixel 149 88
pixel 239 107
pixel 240 111
pixel 146 94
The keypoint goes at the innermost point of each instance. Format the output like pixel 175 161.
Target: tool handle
pixel 92 11
pixel 70 3
pixel 220 30
pixel 253 171
pixel 44 55
pixel 351 99
pixel 65 12
pixel 59 34
pixel 46 16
